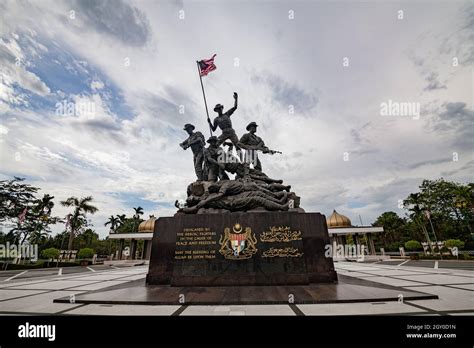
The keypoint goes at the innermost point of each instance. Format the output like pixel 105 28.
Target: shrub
pixel 85 253
pixel 451 243
pixel 412 245
pixel 50 253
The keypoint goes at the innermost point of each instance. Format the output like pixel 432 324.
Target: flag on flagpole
pixel 22 216
pixel 206 66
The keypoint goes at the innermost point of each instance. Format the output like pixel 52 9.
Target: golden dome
pixel 338 220
pixel 148 225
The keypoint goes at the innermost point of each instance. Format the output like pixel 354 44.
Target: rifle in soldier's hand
pixel 267 150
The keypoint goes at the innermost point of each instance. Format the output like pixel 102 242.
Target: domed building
pixel 337 220
pixel 339 226
pixel 144 232
pixel 148 225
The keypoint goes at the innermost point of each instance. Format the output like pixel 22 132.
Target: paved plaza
pixel 32 292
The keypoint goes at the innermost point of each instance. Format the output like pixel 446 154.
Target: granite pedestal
pixel 241 249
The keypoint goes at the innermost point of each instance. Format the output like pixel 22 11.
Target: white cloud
pixel 97 84
pixel 13 71
pixel 110 155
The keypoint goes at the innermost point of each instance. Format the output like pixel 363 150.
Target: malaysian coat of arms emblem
pixel 239 244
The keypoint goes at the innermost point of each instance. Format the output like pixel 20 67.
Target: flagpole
pixel 203 94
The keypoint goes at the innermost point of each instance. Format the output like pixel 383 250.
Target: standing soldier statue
pixel 213 158
pixel 225 124
pixel 196 142
pixel 253 143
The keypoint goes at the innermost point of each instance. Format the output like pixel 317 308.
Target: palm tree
pixel 122 219
pixel 45 205
pixel 136 217
pixel 138 212
pixel 81 208
pixel 415 204
pixel 114 222
pixel 38 237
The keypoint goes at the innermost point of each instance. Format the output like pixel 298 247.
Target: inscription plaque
pixel 268 248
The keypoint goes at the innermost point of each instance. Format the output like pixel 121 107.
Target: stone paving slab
pixel 53 285
pixel 449 298
pixel 97 309
pixel 239 310
pixel 12 283
pixel 7 294
pixel 456 297
pixel 346 290
pixel 357 274
pixel 358 308
pixel 100 277
pixel 99 285
pixel 393 282
pixel 393 272
pixel 42 303
pixel 464 286
pixel 463 313
pixel 438 279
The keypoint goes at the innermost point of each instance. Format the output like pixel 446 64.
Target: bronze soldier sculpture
pixel 254 143
pixel 212 154
pixel 196 142
pixel 250 189
pixel 234 187
pixel 225 124
pixel 241 202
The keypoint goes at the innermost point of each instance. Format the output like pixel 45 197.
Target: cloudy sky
pixel 312 74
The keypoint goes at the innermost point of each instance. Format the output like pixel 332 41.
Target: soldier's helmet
pixel 188 126
pixel 251 124
pixel 212 139
pixel 218 107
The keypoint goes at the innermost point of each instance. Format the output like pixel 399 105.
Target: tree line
pixel 440 210
pixel 27 216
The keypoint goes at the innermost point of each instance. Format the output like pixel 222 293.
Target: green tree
pixel 15 196
pixel 451 243
pixel 85 253
pixel 442 209
pixel 128 226
pixel 136 218
pixel 114 222
pixel 50 254
pixel 18 199
pixel 138 212
pixel 86 239
pixel 122 219
pixel 78 220
pixel 412 245
pixel 394 227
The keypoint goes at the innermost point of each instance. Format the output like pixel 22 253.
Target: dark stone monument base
pixel 240 249
pixel 347 290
